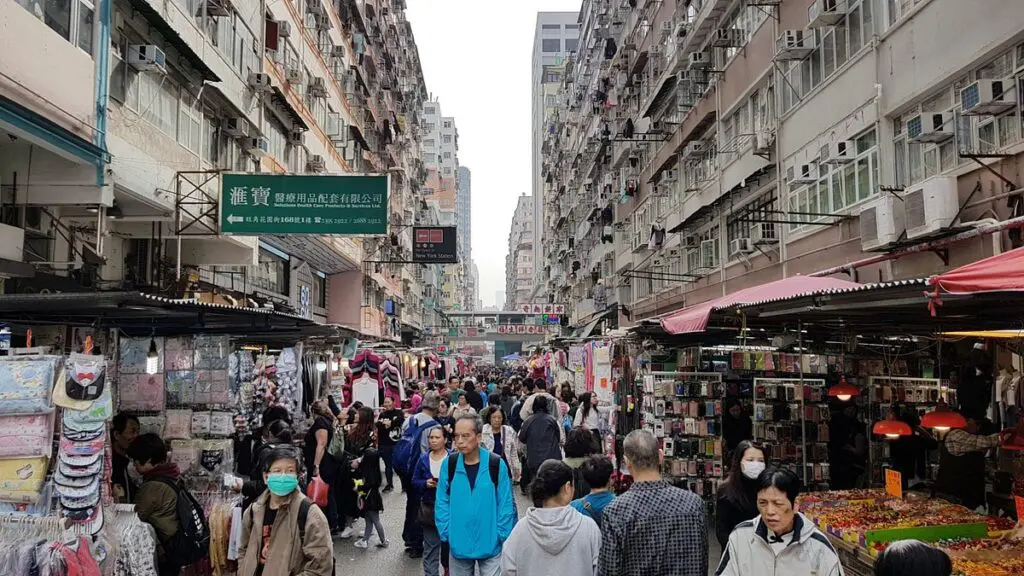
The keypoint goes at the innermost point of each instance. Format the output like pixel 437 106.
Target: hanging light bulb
pixel 152 358
pixel 334 364
pixel 423 362
pixel 321 366
pixel 843 391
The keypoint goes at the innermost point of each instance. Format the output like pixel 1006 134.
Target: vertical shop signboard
pixel 286 204
pixel 893 483
pixel 603 375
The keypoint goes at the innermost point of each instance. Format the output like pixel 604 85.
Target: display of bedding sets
pixel 83 457
pixel 26 425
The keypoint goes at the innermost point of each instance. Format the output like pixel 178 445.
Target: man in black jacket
pixel 542 436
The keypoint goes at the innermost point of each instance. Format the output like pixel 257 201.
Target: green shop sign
pixel 268 204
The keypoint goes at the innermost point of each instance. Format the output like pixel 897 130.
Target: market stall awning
pixel 136 313
pixel 1000 273
pixel 695 318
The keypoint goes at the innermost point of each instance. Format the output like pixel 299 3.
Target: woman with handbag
pixel 320 465
pixel 424 481
pixel 359 436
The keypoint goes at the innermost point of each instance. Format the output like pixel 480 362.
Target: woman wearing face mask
pixel 283 533
pixel 737 497
pixel 275 434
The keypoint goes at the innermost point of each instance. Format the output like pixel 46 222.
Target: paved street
pixel 393 561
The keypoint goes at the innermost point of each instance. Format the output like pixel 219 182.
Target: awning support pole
pixel 803 412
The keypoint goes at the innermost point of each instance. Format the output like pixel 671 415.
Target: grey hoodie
pixel 552 541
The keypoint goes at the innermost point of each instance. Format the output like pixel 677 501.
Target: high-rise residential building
pixel 519 260
pixel 477 303
pixel 714 146
pixel 464 213
pixel 499 299
pixel 116 111
pixel 555 37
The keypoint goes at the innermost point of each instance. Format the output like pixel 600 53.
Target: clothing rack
pixel 41 521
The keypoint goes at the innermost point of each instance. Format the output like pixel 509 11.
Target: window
pixel 897 9
pixel 552 77
pixel 571 44
pixel 572 26
pixel 446 139
pixel 272 275
pixel 278 141
pixel 71 19
pixel 447 155
pixel 319 291
pixel 759 212
pixel 838 187
pixel 429 110
pixel 550 26
pixel 155 98
pixel 447 124
pixel 189 122
pixel 834 48
pixel 550 45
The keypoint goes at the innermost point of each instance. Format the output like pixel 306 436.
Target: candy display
pixel 863 522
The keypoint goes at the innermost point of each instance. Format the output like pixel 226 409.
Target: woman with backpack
pixel 541 434
pixel 501 439
pixel 283 532
pixel 424 482
pixel 359 436
pixel 370 502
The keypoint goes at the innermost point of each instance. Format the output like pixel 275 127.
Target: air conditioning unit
pixel 700 61
pixel 318 87
pixel 335 128
pixel 763 233
pixel 794 45
pixel 727 38
pixel 930 206
pixel 338 51
pixel 840 152
pixel 823 13
pixel 316 8
pixel 708 254
pixel 881 223
pixel 258 146
pixel 930 127
pixel 692 76
pixel 800 174
pixel 294 76
pixel 988 97
pixel 694 150
pixel 669 176
pixel 323 23
pixel 284 28
pixel 315 163
pixel 297 137
pixel 740 246
pixel 690 241
pixel 237 127
pixel 259 81
pixel 147 58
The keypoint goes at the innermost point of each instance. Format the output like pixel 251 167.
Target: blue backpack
pixel 407 450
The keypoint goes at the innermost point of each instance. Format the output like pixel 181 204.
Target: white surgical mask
pixel 751 468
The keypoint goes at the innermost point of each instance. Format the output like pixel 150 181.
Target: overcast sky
pixel 476 60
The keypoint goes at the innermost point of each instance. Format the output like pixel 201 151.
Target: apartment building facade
pixel 731 144
pixel 519 259
pixel 464 210
pixel 555 37
pixel 155 99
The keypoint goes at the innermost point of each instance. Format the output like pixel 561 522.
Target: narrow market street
pixel 391 560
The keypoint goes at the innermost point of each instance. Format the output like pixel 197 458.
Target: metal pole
pixel 177 219
pixel 803 420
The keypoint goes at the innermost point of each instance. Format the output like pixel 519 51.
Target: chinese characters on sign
pixel 263 204
pixel 435 245
pixel 528 329
pixel 542 308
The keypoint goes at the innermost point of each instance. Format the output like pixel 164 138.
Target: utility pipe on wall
pixel 981 230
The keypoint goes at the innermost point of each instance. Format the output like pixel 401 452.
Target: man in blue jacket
pixel 475 510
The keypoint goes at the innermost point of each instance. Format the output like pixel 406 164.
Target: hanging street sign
pixel 324 205
pixel 435 245
pixel 542 308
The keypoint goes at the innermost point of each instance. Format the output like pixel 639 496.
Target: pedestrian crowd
pixel 458 448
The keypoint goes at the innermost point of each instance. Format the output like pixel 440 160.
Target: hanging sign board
pixel 893 483
pixel 435 245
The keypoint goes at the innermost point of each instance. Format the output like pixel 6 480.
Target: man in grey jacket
pixel 780 541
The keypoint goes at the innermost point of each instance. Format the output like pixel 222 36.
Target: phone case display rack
pixel 684 410
pixel 885 391
pixel 791 418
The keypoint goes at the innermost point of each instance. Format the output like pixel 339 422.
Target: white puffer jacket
pixel 808 554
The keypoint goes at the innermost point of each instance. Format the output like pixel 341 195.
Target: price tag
pixel 1019 500
pixel 893 483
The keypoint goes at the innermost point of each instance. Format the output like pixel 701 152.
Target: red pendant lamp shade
pixel 843 391
pixel 943 420
pixel 891 428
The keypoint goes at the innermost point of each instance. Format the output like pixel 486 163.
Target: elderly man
pixel 475 510
pixel 654 528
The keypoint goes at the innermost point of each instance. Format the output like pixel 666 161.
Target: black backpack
pixel 191 543
pixel 493 465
